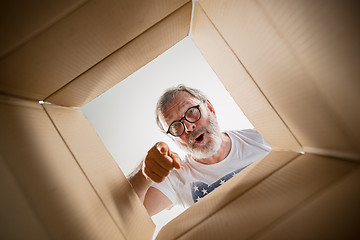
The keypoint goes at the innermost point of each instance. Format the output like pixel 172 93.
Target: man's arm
pixel 139 182
pixel 155 201
pixel 156 166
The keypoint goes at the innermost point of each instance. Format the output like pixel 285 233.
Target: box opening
pixel 280 61
pixel 124 116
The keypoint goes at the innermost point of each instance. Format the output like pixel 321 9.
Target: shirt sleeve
pixel 166 188
pixel 253 136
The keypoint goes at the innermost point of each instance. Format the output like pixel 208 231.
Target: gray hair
pixel 170 94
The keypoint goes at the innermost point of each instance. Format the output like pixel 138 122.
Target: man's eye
pixel 175 126
pixel 190 111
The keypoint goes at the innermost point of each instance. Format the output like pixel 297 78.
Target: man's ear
pixel 210 106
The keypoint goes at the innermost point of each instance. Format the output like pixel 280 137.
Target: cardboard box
pixel 292 67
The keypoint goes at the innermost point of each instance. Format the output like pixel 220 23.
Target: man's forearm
pixel 139 182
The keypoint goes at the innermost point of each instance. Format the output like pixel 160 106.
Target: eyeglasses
pixel 192 115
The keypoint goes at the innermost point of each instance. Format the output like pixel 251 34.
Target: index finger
pixel 163 148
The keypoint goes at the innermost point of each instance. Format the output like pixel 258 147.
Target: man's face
pixel 203 138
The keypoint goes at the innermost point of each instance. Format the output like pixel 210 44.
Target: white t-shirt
pixel 194 180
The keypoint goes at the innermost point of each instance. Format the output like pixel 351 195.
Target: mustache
pixel 195 133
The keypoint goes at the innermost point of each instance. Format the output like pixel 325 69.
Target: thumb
pixel 163 148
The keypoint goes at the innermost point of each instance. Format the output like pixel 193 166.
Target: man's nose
pixel 189 126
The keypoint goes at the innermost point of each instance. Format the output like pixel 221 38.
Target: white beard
pixel 209 148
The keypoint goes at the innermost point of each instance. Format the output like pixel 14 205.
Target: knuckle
pixel 163 173
pixel 158 179
pixel 147 171
pixel 168 166
pixel 166 173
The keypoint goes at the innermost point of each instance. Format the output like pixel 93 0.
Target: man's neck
pixel 221 154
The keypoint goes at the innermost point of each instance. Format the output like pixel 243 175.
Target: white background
pixel 124 116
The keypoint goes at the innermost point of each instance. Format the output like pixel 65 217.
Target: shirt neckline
pixel 192 160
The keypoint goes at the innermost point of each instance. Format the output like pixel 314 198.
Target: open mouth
pixel 200 138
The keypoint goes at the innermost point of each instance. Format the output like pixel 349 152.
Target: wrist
pixel 142 170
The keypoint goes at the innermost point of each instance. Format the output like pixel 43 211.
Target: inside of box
pixel 126 124
pixel 292 67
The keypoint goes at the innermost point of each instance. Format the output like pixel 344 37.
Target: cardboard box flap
pixel 217 200
pixel 23 20
pixel 324 36
pixel 125 60
pixel 270 52
pixel 280 195
pixel 75 43
pixel 13 202
pixel 335 209
pixel 240 84
pixel 49 178
pixel 102 172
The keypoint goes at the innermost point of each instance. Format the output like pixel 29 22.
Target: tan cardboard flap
pixel 219 199
pixel 337 214
pixel 49 178
pixel 271 56
pixel 126 60
pixel 325 36
pixel 23 20
pixel 75 43
pixel 102 171
pixel 279 195
pixel 17 218
pixel 240 84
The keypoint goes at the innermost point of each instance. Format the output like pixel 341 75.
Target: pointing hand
pixel 159 161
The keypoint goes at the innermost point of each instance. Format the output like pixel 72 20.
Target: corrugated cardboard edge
pixel 14 42
pixel 109 183
pixel 126 60
pixel 82 39
pixel 44 176
pixel 240 84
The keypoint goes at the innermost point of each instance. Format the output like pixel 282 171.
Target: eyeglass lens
pixel 192 115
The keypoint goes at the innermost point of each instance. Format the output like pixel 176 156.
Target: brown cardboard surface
pixel 17 218
pixel 102 171
pixel 289 86
pixel 49 178
pixel 72 45
pixel 235 188
pixel 338 213
pixel 280 195
pixel 21 21
pixel 324 36
pixel 291 66
pixel 126 60
pixel 240 84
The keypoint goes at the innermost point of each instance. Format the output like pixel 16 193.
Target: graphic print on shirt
pixel 200 189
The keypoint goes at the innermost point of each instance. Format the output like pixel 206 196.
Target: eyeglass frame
pixel 184 118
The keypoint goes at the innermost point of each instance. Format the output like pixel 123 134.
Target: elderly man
pixel 188 117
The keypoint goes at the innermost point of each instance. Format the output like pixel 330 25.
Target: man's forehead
pixel 181 102
pixel 173 109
